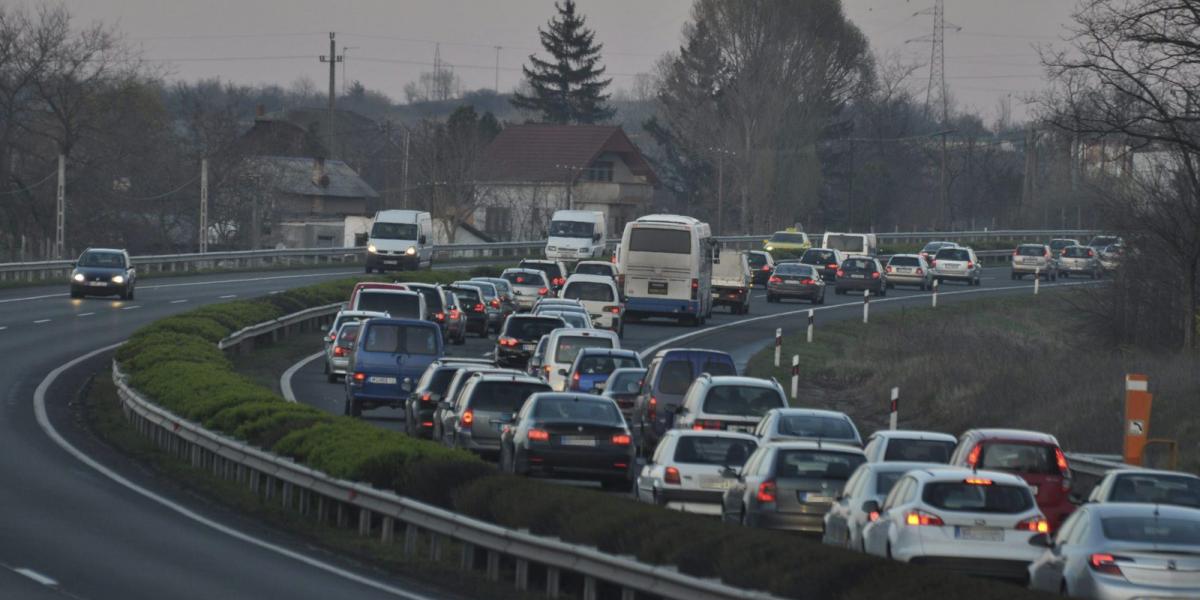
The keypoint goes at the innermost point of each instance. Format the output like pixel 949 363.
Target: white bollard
pixel 778 345
pixel 811 320
pixel 935 288
pixel 895 416
pixel 1037 280
pixel 866 305
pixel 795 375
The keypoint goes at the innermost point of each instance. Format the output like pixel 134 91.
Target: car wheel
pixel 129 293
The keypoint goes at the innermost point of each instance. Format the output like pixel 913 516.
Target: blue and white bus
pixel 666 268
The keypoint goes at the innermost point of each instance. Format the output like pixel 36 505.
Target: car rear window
pixel 816 426
pixel 534 279
pixel 569 346
pixel 817 257
pixel 973 497
pixel 708 450
pixel 953 254
pixel 433 298
pixel 485 289
pixel 467 297
pixel 904 261
pixel 1152 530
pixel 549 268
pixel 574 320
pixel 627 383
pixel 404 305
pixel 503 396
pixel 588 291
pixel 919 451
pixel 884 482
pixel 846 243
pixel 401 339
pixel 441 380
pixel 675 376
pixel 717 367
pixel 576 409
pixel 788 238
pixel 347 335
pixel 822 464
pixel 1034 459
pixel 1077 252
pixel 1031 250
pixel 741 400
pixel 756 260
pixel 605 365
pixel 594 269
pixel 859 264
pixel 793 270
pixel 531 328
pixel 1156 489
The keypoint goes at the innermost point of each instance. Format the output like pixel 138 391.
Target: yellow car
pixel 787 241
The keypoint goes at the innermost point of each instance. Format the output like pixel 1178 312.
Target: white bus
pixel 666 268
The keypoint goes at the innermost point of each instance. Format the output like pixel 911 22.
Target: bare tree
pixel 445 162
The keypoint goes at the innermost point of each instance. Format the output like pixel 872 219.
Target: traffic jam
pixel 559 397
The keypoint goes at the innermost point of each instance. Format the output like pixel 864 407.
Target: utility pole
pixel 497 86
pixel 935 90
pixel 404 174
pixel 60 217
pixel 203 205
pixel 721 193
pixel 333 59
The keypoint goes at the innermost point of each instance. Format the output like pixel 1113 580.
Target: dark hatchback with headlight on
pixel 103 272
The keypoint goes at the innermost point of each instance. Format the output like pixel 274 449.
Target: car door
pixel 837 530
pixel 876 535
pixel 733 503
pixel 1046 573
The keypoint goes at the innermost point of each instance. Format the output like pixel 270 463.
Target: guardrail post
pixel 553 582
pixel 866 305
pixel 270 487
pixel 287 494
pixel 388 531
pixel 364 522
pixel 493 565
pixel 935 289
pixel 305 500
pixel 435 546
pixel 589 588
pixel 628 594
pixel 1037 280
pixel 411 533
pixel 468 556
pixel 778 345
pixel 320 512
pixel 254 477
pixel 795 375
pixel 812 315
pixel 340 519
pixel 521 579
pixel 894 415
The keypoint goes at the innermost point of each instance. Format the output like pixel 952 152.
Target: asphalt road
pixel 68 531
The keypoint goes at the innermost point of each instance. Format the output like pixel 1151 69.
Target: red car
pixel 1034 456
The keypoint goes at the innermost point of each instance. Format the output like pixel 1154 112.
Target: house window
pixel 498 219
pixel 601 170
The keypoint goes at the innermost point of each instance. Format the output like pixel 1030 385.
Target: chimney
pixel 260 111
pixel 320 178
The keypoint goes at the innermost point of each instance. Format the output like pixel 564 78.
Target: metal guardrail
pixel 381 512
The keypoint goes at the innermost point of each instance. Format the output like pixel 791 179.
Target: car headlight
pixel 371 248
pixel 118 279
pixel 411 250
pixel 78 277
pixel 770 248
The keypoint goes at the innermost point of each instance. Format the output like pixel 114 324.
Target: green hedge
pixel 175 361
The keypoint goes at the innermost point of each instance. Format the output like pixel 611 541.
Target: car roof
pixel 113 250
pixel 570 395
pixel 814 445
pixel 391 321
pixel 608 351
pixel 900 465
pixel 604 333
pixel 1144 471
pixel 588 278
pixel 663 353
pixel 387 291
pixel 815 412
pixel 912 434
pixel 742 380
pixel 822 250
pixel 624 370
pixel 710 433
pixel 522 271
pixel 1014 435
pixel 1140 509
pixel 595 262
pixel 948 473
pixel 512 375
pixel 361 313
pixel 421 285
pixel 905 256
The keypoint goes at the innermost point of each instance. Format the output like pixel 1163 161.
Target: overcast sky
pixel 392 41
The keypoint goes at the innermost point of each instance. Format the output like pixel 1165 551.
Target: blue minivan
pixel 668 377
pixel 592 367
pixel 388 357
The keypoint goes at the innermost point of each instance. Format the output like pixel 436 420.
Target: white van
pixel 576 235
pixel 397 304
pixel 563 345
pixel 599 295
pixel 400 239
pixel 666 268
pixel 851 243
pixel 731 281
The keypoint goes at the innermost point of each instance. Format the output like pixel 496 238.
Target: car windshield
pixel 977 497
pixel 485 289
pixel 786 237
pixel 1036 459
pixel 627 383
pixel 1156 489
pixel 394 231
pixel 741 400
pixel 531 328
pixel 820 464
pixel 549 268
pixel 574 320
pixel 668 241
pixel 1078 252
pixel 575 408
pixel 756 260
pixel 605 365
pixel 402 305
pixel 569 346
pixel 846 243
pixel 934 451
pixel 1152 529
pixel 589 291
pixel 107 260
pixel 953 254
pixel 401 339
pixel 504 396
pixel 818 257
pixel 571 229
pixel 859 264
pixel 712 450
pixel 816 426
pixel 1031 250
pixel 904 261
pixel 602 269
pixel 531 279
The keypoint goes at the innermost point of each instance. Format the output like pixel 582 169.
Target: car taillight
pixel 621 439
pixel 575 381
pixel 775 279
pixel 933 263
pixel 360 377
pixel 454 314
pixel 1063 252
pixel 468 417
pixel 495 303
pixel 652 408
pixel 766 492
pixel 558 281
pixel 1014 252
pixel 831 266
pixel 973 456
pixel 520 279
pixel 766 267
pixel 426 397
pixel 543 291
pixel 807 281
pixel 508 341
pixel 920 271
pixel 702 425
pixel 479 307
pixel 539 435
pixel 339 350
pixel 875 275
pixel 920 517
pixel 332 336
pixel 970 265
pixel 1063 467
pixel 1106 563
pixel 439 316
pixel 1090 253
pixel 695 288
pixel 616 310
pixel 889 268
pixel 1035 524
pixel 873 516
pixel 671 475
pixel 977 481
pixel 841 273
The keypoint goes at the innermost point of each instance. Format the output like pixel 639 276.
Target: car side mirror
pixel 870 506
pixel 444 404
pixel 595 237
pixel 562 372
pixel 729 472
pixel 1041 540
pixel 1076 499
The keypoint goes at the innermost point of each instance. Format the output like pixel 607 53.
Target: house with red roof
pixel 531 170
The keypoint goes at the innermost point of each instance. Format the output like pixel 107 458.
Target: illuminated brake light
pixel 426 397
pixel 889 268
pixel 439 316
pixel 652 408
pixel 479 308
pixel 831 266
pixel 970 265
pixel 875 275
pixel 671 475
pixel 695 288
pixel 766 492
pixel 1106 563
pixel 620 439
pixel 1061 459
pixel 841 273
pixel 807 281
pixel 920 271
pixel 873 516
pixel 360 377
pixel 468 417
pixel 539 435
pixel 543 291
pixel 977 481
pixel 766 267
pixel 508 342
pixel 1035 524
pixel 775 279
pixel 339 350
pixel 920 517
pixel 973 457
pixel 495 303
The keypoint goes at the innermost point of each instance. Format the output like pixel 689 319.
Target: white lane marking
pixel 38 577
pixel 3 327
pixel 40 321
pixel 39 407
pixel 131 307
pixel 924 297
pixel 181 301
pixel 85 314
pixel 6 301
pixel 273 292
pixel 227 296
pixel 285 380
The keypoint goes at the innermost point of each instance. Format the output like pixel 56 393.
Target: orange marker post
pixel 1137 416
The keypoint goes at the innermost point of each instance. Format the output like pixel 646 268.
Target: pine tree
pixel 568 88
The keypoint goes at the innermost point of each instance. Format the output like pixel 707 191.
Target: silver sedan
pixel 909 269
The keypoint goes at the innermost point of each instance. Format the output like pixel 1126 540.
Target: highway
pixel 71 532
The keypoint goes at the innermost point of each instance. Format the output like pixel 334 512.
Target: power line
pixel 31 186
pixel 225 36
pixel 165 194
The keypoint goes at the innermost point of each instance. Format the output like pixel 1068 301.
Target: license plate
pixel 527 347
pixel 98 283
pixel 979 534
pixel 577 440
pixel 792 281
pixel 858 277
pixel 600 386
pixel 382 380
pixel 741 428
pixel 814 498
pixel 905 271
pixel 657 287
pixel 389 262
pixel 716 483
pixel 1029 261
